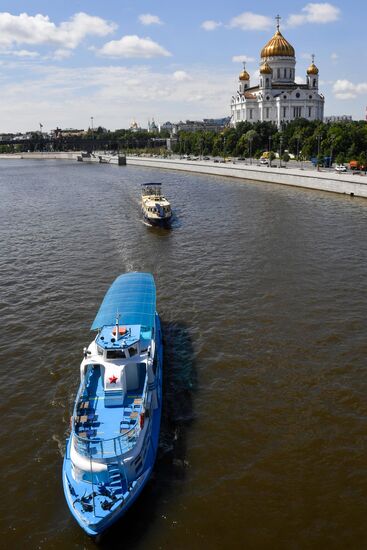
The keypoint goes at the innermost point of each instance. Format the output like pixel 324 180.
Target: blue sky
pixel 62 63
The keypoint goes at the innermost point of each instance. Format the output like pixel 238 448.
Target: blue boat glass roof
pixel 133 297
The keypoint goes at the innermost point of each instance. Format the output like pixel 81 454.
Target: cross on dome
pixel 313 58
pixel 278 18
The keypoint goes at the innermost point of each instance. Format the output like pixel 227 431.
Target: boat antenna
pixel 117 325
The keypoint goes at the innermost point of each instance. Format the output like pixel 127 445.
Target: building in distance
pixel 277 98
pixel 337 118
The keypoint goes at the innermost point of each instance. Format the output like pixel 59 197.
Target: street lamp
pixel 318 151
pixel 224 149
pixel 280 151
pixel 331 152
pixel 269 159
pixel 297 149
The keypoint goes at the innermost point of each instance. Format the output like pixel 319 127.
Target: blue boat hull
pixel 94 528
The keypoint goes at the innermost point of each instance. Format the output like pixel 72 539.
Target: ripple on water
pixel 261 292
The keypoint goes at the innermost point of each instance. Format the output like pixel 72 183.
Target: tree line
pixel 342 141
pixel 303 139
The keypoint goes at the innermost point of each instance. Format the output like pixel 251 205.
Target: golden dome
pixel 312 69
pixel 278 46
pixel 265 68
pixel 244 75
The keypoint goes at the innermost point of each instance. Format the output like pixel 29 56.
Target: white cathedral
pixel 278 98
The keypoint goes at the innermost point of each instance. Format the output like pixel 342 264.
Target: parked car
pixel 340 168
pixel 263 161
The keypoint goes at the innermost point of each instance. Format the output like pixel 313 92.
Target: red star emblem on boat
pixel 113 379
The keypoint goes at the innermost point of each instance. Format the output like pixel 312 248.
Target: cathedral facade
pixel 277 97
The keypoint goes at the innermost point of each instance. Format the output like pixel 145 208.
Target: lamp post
pixel 331 152
pixel 297 149
pixel 224 149
pixel 318 151
pixel 280 151
pixel 269 159
pixel 250 142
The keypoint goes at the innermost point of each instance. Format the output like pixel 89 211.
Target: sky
pixel 66 63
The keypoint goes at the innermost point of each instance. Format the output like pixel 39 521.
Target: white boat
pixel 155 207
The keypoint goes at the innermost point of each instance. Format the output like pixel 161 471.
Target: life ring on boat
pixel 122 331
pixel 141 420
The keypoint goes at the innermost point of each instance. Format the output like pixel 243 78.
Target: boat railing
pixel 97 448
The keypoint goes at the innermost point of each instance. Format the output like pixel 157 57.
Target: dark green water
pixel 262 295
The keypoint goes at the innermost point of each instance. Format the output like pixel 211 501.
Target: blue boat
pixel 117 413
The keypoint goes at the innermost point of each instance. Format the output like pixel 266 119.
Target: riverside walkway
pixel 345 183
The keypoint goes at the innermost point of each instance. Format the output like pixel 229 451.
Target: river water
pixel 262 295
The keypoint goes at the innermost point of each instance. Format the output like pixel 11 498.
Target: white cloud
pixel 248 21
pixel 39 29
pixel 344 89
pixel 181 76
pixel 148 19
pixel 66 94
pixel 306 55
pixel 62 54
pixel 241 58
pixel 334 56
pixel 299 79
pixel 135 47
pixel 210 25
pixel 20 53
pixel 314 13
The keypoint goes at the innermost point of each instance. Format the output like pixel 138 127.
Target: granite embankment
pixel 343 183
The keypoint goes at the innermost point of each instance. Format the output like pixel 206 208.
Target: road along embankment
pixel 346 184
pixel 42 156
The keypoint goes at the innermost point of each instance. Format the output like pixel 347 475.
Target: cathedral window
pixel 267 82
pixel 297 112
pixel 309 112
pixel 267 109
pixel 284 112
pixel 250 111
pixel 261 82
pixel 285 73
pixel 278 73
pixel 297 94
pixel 314 82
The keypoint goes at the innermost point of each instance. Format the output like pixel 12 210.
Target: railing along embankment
pixel 347 184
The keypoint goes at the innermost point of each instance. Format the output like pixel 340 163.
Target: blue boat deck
pixel 106 415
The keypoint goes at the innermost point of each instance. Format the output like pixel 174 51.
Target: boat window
pixel 132 351
pixel 99 350
pixel 115 354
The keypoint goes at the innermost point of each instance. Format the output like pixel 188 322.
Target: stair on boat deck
pixel 117 481
pixel 113 398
